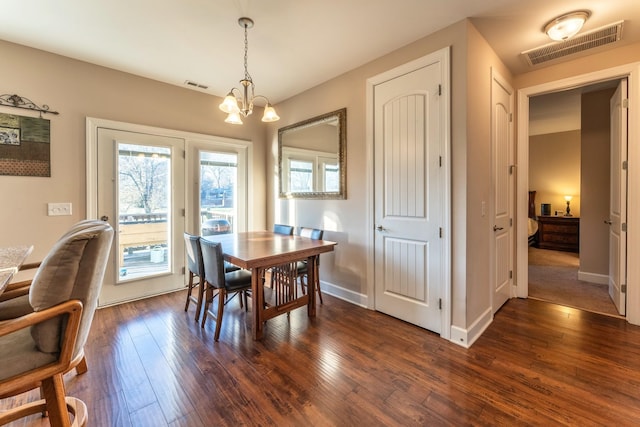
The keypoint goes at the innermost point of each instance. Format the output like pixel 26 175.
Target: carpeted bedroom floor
pixel 553 276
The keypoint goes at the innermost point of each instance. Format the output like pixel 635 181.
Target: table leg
pixel 258 301
pixel 311 285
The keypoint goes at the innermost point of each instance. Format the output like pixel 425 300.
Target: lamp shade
pixel 234 118
pixel 270 114
pixel 229 104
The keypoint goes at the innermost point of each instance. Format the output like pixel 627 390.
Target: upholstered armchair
pixel 47 339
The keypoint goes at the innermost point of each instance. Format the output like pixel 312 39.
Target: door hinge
pixel 440 232
pixel 440 303
pixel 184 154
pixel 439 90
pixel 510 222
pixel 512 168
pixel 440 161
pixel 184 213
pixel 510 117
pixel 623 288
pixel 625 103
pixel 623 226
pixel 625 165
pixel 183 270
pixel 510 274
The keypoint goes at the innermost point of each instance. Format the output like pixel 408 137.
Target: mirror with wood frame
pixel 312 157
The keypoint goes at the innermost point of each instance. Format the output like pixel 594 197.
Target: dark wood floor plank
pixel 151 364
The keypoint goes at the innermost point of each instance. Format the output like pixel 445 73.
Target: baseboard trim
pixel 600 279
pixel 344 294
pixel 466 337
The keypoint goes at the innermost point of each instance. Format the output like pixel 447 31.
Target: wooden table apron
pixel 259 250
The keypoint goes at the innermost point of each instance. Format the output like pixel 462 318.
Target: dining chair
pixel 195 270
pixel 303 267
pixel 219 283
pixel 283 229
pixel 38 348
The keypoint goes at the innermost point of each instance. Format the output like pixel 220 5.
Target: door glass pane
pixel 144 206
pixel 218 190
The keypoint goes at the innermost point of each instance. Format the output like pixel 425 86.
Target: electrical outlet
pixel 54 209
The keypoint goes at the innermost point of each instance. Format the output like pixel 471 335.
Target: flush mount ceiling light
pixel 566 26
pixel 236 106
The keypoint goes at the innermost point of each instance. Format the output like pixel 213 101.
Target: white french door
pixel 140 179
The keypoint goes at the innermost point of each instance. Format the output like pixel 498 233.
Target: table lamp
pixel 568 199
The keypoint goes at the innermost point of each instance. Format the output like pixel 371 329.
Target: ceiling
pixel 294 45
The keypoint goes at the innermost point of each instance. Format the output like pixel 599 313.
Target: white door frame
pixel 370 220
pixel 632 73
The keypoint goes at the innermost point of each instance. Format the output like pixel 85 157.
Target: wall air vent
pixel 592 39
pixel 194 84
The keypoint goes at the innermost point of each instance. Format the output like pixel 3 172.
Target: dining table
pixel 259 251
pixel 11 258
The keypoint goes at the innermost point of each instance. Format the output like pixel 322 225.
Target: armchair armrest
pixel 74 310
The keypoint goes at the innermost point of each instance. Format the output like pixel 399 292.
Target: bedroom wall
pixel 595 140
pixel 554 170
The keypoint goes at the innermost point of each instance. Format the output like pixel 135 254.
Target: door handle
pixel 608 221
pixel 496 228
pixel 104 218
pixel 380 228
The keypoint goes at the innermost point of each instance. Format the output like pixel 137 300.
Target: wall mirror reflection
pixel 312 157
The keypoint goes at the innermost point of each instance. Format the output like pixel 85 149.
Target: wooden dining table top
pixel 254 249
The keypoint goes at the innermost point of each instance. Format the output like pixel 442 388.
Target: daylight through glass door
pixel 144 201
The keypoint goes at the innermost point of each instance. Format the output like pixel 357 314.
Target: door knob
pixel 380 228
pixel 104 218
pixel 608 221
pixel 496 228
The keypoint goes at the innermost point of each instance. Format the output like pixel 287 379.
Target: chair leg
pixel 207 290
pixel 200 298
pixel 221 298
pixel 189 290
pixel 54 394
pixel 81 367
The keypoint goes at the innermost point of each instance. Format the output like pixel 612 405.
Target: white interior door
pixel 618 199
pixel 502 206
pixel 410 193
pixel 140 191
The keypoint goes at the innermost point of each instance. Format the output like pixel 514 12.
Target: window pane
pixel 300 176
pixel 144 200
pixel 218 185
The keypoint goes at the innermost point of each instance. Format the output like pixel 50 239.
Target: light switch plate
pixel 54 209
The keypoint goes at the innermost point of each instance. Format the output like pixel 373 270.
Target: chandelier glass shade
pixel 239 102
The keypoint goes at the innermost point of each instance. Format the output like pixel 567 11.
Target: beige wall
pixel 77 90
pixel 554 170
pixel 345 221
pixel 595 182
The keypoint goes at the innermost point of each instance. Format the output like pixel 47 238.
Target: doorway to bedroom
pixel 569 251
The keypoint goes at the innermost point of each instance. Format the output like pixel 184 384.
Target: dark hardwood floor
pixel 150 364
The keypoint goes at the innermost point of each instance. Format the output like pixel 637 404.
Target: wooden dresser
pixel 561 233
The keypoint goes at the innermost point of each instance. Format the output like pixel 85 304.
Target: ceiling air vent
pixel 194 84
pixel 596 38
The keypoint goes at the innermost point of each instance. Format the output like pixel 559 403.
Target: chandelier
pixel 235 106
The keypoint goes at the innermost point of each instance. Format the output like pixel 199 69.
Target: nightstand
pixel 560 233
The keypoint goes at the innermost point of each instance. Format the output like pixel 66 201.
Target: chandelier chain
pixel 246 54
